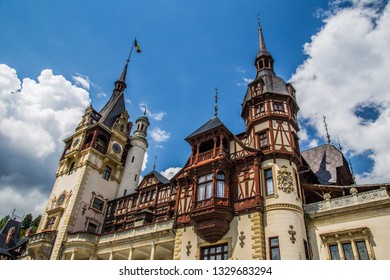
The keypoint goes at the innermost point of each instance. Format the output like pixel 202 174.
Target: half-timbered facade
pixel 251 195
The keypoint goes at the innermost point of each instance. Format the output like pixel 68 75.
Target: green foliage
pixel 3 221
pixel 36 221
pixel 26 222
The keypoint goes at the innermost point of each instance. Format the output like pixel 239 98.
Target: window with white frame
pixel 351 244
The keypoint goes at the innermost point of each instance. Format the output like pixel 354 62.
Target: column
pixel 73 254
pixel 341 251
pixel 111 256
pixel 130 253
pixel 354 249
pixel 153 252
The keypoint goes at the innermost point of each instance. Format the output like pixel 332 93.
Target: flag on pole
pixel 136 46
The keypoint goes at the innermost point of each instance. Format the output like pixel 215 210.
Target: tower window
pixel 269 182
pixel 135 177
pixel 71 168
pixel 50 223
pixel 98 204
pixel 263 140
pixel 274 248
pixel 260 108
pixel 278 106
pixel 107 173
pixel 132 159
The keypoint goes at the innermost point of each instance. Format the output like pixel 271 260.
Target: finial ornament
pixel 326 129
pixel 216 102
pixel 340 148
pixel 154 165
pixel 145 109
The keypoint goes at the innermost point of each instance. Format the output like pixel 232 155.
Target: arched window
pixel 220 185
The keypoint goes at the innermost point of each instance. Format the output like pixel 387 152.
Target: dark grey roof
pixel 272 84
pixel 114 107
pixel 159 177
pixel 211 124
pixel 14 242
pixel 324 161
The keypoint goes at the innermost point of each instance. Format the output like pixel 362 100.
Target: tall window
pixel 274 248
pixel 362 250
pixel 107 173
pixel 50 223
pixel 263 139
pixel 219 252
pixel 269 184
pixel 334 252
pixel 260 108
pixel 205 187
pixel 71 168
pixel 220 185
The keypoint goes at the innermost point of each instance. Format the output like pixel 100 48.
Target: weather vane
pixel 216 102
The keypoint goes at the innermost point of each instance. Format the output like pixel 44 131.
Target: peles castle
pixel 253 195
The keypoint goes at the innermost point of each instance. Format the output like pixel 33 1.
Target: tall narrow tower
pixel 89 173
pixel 135 157
pixel 270 113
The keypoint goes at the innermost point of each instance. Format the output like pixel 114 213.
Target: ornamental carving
pixel 285 180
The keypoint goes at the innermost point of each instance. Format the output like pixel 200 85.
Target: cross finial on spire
pixel 216 102
pixel 326 129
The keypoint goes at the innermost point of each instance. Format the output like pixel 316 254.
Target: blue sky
pixel 188 48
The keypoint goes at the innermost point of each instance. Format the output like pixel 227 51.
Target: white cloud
pixel 159 135
pixel 82 80
pixel 32 201
pixel 245 81
pixel 145 161
pixel 42 114
pixel 348 65
pixel 170 172
pixel 33 122
pixel 155 116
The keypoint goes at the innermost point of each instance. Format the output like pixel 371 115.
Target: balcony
pixel 374 196
pixel 209 155
pixel 45 236
pixel 212 218
pixel 84 237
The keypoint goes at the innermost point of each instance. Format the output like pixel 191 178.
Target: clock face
pixel 116 148
pixel 61 199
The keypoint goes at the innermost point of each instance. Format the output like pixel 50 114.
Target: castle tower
pixel 89 174
pixel 270 113
pixel 135 157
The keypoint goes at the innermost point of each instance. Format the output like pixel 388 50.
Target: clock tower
pixel 90 171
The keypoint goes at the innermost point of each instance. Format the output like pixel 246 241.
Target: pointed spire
pixel 261 37
pixel 263 59
pixel 262 48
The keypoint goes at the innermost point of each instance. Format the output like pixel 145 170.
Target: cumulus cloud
pixel 33 122
pixel 170 172
pixel 159 135
pixel 244 82
pixel 345 78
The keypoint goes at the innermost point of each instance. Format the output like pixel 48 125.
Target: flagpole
pixel 132 47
